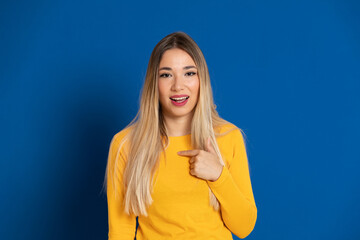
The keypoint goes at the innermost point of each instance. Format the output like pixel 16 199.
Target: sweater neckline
pixel 182 136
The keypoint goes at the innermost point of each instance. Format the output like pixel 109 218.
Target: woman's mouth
pixel 179 100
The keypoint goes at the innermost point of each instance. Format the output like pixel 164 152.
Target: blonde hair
pixel 148 136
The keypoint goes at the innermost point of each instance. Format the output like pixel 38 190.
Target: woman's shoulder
pixel 121 137
pixel 229 132
pixel 225 128
pixel 119 145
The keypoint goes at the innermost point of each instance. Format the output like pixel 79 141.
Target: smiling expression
pixel 178 84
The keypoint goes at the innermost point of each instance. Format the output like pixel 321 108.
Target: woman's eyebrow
pixel 188 67
pixel 165 68
pixel 169 69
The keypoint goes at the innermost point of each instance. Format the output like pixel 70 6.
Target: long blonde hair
pixel 148 136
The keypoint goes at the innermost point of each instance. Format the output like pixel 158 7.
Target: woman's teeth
pixel 179 99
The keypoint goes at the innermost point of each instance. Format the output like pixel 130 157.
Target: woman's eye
pixel 190 73
pixel 165 75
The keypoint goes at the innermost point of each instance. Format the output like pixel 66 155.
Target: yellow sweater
pixel 181 208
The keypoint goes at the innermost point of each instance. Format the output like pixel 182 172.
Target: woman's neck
pixel 178 126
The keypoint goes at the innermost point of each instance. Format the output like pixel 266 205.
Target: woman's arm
pixel 234 192
pixel 121 225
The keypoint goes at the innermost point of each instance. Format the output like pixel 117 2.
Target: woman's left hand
pixel 204 164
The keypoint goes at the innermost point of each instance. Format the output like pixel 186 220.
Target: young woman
pixel 178 166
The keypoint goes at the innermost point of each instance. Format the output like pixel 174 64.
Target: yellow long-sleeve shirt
pixel 181 208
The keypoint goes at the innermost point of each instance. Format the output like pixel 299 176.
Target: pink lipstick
pixel 179 100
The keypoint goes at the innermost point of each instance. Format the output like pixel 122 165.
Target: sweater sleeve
pixel 234 192
pixel 121 225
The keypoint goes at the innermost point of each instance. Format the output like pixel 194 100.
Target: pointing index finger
pixel 189 153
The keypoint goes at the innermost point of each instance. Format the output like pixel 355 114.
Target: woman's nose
pixel 177 84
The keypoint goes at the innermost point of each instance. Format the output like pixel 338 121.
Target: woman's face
pixel 178 84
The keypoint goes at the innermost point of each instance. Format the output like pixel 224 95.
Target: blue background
pixel 286 72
